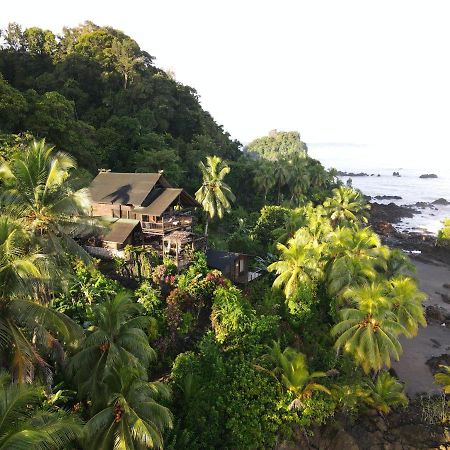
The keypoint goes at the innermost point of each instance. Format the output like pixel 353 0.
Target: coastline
pixel 422 354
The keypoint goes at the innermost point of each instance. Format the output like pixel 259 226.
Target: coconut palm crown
pixel 214 195
pixel 36 189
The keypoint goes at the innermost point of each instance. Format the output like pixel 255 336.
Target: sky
pixel 370 78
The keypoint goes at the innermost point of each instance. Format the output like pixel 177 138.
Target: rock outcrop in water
pixel 441 201
pixel 388 197
pixel 351 174
pixel 428 175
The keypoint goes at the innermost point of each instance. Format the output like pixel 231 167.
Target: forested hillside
pixel 94 93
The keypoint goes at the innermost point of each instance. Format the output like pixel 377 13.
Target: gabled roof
pixel 218 259
pixel 124 188
pixel 120 230
pixel 165 198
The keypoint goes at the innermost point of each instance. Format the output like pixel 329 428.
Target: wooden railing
pixel 168 224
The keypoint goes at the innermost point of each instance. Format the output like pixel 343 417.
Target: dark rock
pixel 340 173
pixel 441 201
pixel 388 197
pixel 391 213
pixel 436 361
pixel 445 298
pixel 446 286
pixel 423 205
pixel 428 175
pixel 396 174
pixel 437 313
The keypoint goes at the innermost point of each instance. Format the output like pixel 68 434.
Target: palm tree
pixel 264 178
pixel 347 206
pixel 131 417
pixel 117 338
pixel 386 392
pixel 214 194
pixel 398 264
pixel 299 179
pixel 444 378
pixel 291 370
pixel 369 330
pixel 407 304
pixel 25 324
pixel 299 263
pixel 346 272
pixel 282 174
pixel 355 256
pixel 295 220
pixel 36 190
pixel 23 425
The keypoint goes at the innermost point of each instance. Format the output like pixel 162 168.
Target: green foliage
pixel 346 207
pixel 130 115
pixel 131 416
pixel 291 369
pixel 385 393
pixel 231 314
pixel 301 304
pixel 278 144
pixel 87 286
pixel 271 218
pixel 443 237
pixel 149 298
pixel 443 378
pixel 251 400
pixel 116 338
pixel 25 424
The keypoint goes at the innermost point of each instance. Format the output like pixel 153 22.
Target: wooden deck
pixel 166 226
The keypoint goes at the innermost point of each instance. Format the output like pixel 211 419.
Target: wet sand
pixel 434 340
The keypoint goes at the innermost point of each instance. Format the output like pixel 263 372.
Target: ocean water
pixel 409 186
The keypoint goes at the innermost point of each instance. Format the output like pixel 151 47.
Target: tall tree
pixel 214 194
pixel 125 58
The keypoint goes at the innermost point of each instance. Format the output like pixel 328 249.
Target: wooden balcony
pixel 166 225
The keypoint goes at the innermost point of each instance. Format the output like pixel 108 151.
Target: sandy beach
pixel 432 341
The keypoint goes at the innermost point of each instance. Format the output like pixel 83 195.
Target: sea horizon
pixel 409 186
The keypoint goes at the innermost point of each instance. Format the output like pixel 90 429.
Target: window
pixel 241 265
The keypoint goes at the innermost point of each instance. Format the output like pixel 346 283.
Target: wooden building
pixel 141 207
pixel 232 265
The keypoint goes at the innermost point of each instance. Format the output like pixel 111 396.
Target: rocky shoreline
pixel 383 217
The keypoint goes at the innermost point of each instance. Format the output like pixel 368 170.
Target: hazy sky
pixel 359 72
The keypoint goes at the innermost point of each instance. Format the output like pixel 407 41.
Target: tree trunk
pixel 125 80
pixel 206 226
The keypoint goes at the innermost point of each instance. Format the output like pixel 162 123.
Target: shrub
pixel 443 238
pixel 231 314
pixel 87 286
pixel 149 298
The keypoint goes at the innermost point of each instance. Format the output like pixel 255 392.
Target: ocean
pixel 409 186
